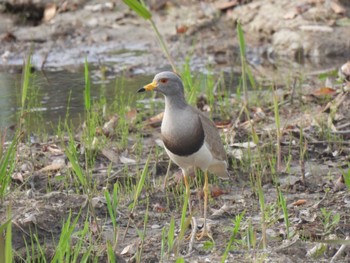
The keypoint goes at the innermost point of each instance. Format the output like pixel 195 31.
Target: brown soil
pixel 311 182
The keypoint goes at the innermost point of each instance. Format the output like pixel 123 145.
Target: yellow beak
pixel 148 87
pixel 151 86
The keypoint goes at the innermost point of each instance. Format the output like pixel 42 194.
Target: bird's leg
pixel 188 194
pixel 204 232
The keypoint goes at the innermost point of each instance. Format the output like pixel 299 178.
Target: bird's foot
pixel 204 233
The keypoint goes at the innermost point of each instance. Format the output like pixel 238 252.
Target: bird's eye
pixel 163 80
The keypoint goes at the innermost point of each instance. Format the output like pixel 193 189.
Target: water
pixel 60 89
pixel 57 91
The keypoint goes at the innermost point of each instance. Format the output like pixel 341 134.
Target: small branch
pixel 339 252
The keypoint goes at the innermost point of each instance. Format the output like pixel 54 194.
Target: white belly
pixel 202 159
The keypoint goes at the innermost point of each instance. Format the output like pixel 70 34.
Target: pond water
pixel 56 91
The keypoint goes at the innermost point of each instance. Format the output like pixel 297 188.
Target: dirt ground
pixel 310 179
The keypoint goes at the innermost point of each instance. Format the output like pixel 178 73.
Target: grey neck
pixel 175 102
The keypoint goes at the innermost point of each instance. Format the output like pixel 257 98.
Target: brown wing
pixel 212 137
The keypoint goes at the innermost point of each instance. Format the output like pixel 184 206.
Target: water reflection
pixel 56 91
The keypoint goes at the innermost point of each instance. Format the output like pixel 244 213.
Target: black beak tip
pixel 141 90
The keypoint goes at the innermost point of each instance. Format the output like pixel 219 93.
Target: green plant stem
pixel 163 45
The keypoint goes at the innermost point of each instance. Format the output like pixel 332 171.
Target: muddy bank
pixel 109 33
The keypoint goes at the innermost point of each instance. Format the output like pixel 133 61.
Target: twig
pixel 319 202
pixel 166 175
pixel 193 234
pixel 341 249
pixel 293 91
pixel 343 126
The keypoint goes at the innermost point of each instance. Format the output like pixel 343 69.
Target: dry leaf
pixel 29 218
pixel 50 12
pixel 52 167
pixel 339 184
pixel 323 92
pixel 18 177
pixel 224 209
pixel 216 191
pixel 338 8
pixel 126 160
pixel 93 227
pixel 315 2
pixel 344 71
pixel 131 115
pixel 181 29
pixel 237 153
pixel 244 145
pixel 111 155
pixel 54 149
pixel 155 121
pixel 291 14
pixel 108 127
pixel 259 114
pixel 158 208
pixel 223 5
pixel 223 124
pixel 130 250
pixel 299 202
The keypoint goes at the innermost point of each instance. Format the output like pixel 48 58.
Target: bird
pixel 190 138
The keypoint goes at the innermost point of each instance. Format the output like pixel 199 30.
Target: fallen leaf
pixel 8 37
pixel 158 208
pixel 155 121
pixel 52 148
pixel 17 177
pixel 316 28
pixel 339 184
pixel 111 155
pixel 126 160
pixel 29 218
pixel 108 127
pixel 216 191
pixel 291 14
pixel 344 71
pixel 237 153
pixel 315 2
pixel 338 8
pixel 259 114
pixel 129 249
pixel 323 92
pixel 224 209
pixel 93 227
pixel 299 202
pixel 223 124
pixel 181 29
pixel 52 167
pixel 223 5
pixel 245 145
pixel 131 115
pixel 49 12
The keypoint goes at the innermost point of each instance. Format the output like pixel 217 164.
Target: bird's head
pixel 167 83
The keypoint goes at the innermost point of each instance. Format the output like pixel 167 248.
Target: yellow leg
pixel 206 190
pixel 187 191
pixel 204 232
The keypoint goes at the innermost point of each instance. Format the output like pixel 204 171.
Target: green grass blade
pixel 110 253
pixel 87 91
pixel 7 165
pixel 237 223
pixel 25 81
pixel 171 235
pixel 241 39
pixel 110 208
pixel 141 182
pixel 138 8
pixel 8 239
